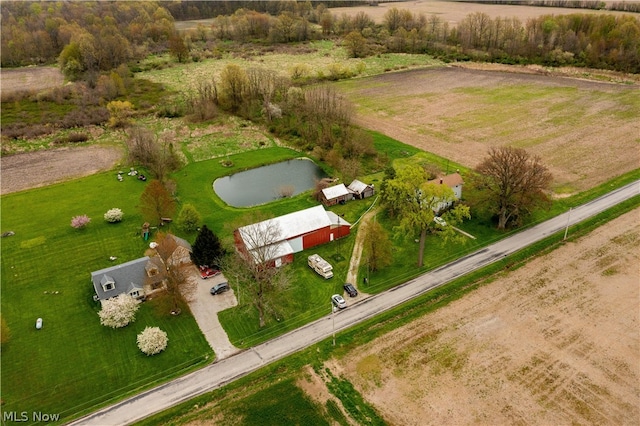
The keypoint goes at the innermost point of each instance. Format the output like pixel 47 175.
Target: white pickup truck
pixel 321 266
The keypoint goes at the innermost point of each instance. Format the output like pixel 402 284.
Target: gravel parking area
pixel 205 308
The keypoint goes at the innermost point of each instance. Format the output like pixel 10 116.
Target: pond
pixel 267 183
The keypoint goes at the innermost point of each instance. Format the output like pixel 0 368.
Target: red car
pixel 206 272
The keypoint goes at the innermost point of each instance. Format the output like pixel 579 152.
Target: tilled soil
pixel 40 168
pixel 579 128
pixel 554 342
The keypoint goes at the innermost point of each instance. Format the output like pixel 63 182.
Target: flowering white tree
pixel 118 311
pixel 152 340
pixel 80 222
pixel 113 215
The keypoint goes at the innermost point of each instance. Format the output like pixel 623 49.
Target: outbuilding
pixel 361 190
pixel 274 241
pixel 335 194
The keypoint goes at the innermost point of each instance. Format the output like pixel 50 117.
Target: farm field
pixel 586 132
pixel 453 12
pixel 554 342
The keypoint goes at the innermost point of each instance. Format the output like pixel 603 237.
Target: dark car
pixel 206 272
pixel 350 289
pixel 219 288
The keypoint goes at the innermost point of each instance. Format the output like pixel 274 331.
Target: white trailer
pixel 321 266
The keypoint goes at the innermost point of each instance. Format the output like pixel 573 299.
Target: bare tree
pixel 156 202
pixel 285 191
pixel 319 186
pixel 255 266
pixel 377 246
pixel 178 287
pixel 511 183
pixel 203 104
pixel 156 155
pixel 234 85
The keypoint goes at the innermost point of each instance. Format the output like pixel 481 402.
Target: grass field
pixel 320 58
pixel 586 132
pixel 74 363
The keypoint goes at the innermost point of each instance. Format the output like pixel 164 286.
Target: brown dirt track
pixel 554 342
pixel 585 131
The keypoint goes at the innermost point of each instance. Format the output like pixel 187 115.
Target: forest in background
pixel 87 38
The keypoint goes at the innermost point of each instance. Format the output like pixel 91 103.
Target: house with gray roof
pixel 129 278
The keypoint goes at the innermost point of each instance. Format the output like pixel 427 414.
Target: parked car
pixel 219 288
pixel 206 272
pixel 440 221
pixel 350 289
pixel 338 301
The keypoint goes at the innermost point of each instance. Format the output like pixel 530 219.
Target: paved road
pixel 220 373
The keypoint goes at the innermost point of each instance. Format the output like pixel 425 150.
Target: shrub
pixel 152 340
pixel 80 222
pixel 113 215
pixel 189 218
pixel 118 311
pixel 76 137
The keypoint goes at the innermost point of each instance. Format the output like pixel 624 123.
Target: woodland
pixel 87 38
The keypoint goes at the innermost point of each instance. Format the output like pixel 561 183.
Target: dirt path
pixel 40 168
pixel 356 255
pixel 554 342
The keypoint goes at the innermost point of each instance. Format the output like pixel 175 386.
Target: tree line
pixel 87 38
pixel 599 41
pixel 90 36
pixel 624 6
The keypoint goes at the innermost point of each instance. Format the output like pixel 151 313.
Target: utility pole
pixel 567 227
pixel 333 320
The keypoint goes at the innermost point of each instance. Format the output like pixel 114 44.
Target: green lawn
pixel 46 273
pixel 74 363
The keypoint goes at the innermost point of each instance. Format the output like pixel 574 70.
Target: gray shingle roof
pixel 126 276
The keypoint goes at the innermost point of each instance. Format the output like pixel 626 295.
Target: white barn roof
pixel 357 186
pixel 290 225
pixel 335 191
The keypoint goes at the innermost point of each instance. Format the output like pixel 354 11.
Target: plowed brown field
pixel 585 131
pixel 554 342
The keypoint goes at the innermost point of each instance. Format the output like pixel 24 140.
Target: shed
pixel 360 189
pixel 335 194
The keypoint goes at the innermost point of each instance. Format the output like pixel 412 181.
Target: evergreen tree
pixel 207 249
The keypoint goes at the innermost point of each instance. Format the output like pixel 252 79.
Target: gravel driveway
pixel 205 308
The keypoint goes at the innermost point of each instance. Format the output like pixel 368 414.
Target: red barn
pixel 274 241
